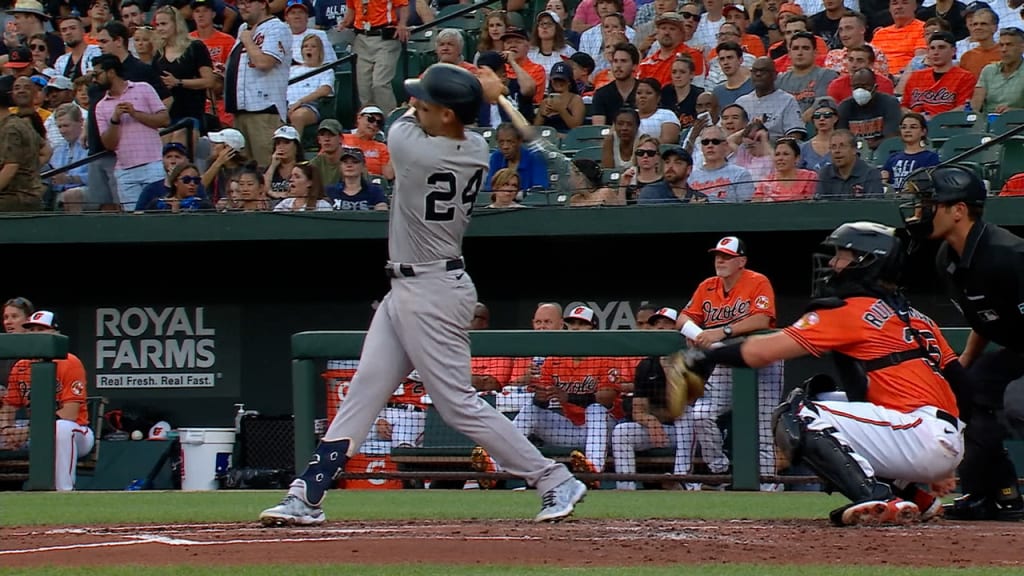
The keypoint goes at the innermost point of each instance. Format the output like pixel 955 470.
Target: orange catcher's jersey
pixel 867 328
pixel 581 378
pixel 710 306
pixel 70 386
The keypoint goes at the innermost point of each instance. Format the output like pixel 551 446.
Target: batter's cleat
pixel 580 464
pixel 481 461
pixel 876 513
pixel 978 508
pixel 292 511
pixel 560 501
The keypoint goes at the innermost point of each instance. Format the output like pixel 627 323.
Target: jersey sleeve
pixel 693 308
pixel 823 330
pixel 763 298
pixel 71 378
pixel 405 138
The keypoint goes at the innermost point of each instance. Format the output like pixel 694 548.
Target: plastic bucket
pixel 205 453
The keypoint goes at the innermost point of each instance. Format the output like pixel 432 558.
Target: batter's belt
pixel 396 270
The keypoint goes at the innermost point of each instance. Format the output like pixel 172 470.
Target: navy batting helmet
pixel 878 258
pixel 449 86
pixel 948 184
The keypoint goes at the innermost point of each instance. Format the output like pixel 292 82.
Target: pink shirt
pixel 139 144
pixel 802 188
pixel 587 12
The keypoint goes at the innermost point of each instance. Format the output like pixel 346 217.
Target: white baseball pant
pixel 700 422
pixel 554 428
pixel 627 439
pixel 769 394
pixel 912 447
pixel 72 441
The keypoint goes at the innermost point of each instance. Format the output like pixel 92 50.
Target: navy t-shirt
pixel 158 190
pixel 369 196
pixel 329 13
pixel 901 164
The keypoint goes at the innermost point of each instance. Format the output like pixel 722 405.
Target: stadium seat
pixel 1006 121
pixel 887 148
pixel 964 141
pixel 585 136
pixel 461 22
pixel 947 124
pixel 589 153
pixel 611 178
pixel 549 134
pixel 538 198
pixel 1011 162
pixel 346 97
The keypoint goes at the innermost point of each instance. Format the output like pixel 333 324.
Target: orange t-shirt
pixel 900 44
pixel 70 385
pixel 1014 186
pixel 375 12
pixel 661 69
pixel 581 378
pixel 219 45
pixel 376 153
pixel 974 60
pixel 924 95
pixel 499 368
pixel 537 72
pixel 710 306
pixel 866 328
pixel 603 78
pixel 774 190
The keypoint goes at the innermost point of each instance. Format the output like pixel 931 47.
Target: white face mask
pixel 861 96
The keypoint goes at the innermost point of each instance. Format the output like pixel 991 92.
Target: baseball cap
pixel 176 147
pixel 669 313
pixel 560 70
pixel 669 18
pixel 354 153
pixel 515 32
pixel 203 3
pixel 825 102
pixel 791 8
pixel 20 57
pixel 583 60
pixel 975 6
pixel 581 313
pixel 296 4
pixel 159 431
pixel 551 15
pixel 943 36
pixel 40 80
pixel 228 136
pixel 492 60
pixel 678 151
pixel 287 133
pixel 371 109
pixel 733 8
pixel 60 83
pixel 43 318
pixel 331 125
pixel 730 245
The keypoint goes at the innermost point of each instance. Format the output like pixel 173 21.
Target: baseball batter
pixel 74 437
pixel 901 421
pixel 422 321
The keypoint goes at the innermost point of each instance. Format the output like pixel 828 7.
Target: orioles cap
pixel 730 245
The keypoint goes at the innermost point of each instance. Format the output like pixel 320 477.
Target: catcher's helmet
pixel 449 86
pixel 948 184
pixel 878 258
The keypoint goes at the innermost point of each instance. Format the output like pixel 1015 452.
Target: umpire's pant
pixel 996 406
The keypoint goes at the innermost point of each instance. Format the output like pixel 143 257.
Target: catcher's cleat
pixel 481 461
pixel 292 511
pixel 560 501
pixel 974 508
pixel 580 464
pixel 927 503
pixel 876 513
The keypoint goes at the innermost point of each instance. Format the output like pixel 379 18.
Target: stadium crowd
pixel 212 104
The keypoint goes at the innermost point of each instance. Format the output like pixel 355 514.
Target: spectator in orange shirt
pixel 982 24
pixel 517 46
pixel 736 14
pixel 942 87
pixel 671 43
pixel 786 183
pixel 904 38
pixel 368 124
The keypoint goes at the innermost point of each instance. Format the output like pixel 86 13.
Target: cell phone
pixel 705 116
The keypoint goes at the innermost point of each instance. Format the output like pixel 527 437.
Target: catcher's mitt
pixel 685 375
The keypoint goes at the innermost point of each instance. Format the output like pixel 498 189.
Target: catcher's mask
pixel 934 186
pixel 877 259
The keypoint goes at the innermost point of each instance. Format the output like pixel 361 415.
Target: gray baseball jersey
pixel 436 183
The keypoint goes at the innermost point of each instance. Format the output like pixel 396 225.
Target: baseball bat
pixel 534 141
pixel 995 140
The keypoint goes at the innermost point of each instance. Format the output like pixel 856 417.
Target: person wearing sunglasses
pixel 369 123
pixel 871 116
pixel 718 178
pixel 184 197
pixel 815 153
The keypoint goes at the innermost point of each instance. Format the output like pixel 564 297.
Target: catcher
pixel 901 419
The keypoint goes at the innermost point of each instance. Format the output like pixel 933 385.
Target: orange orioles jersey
pixel 926 95
pixel 581 378
pixel 867 328
pixel 711 306
pixel 70 386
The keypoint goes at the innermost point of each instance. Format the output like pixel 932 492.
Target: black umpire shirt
pixel 987 283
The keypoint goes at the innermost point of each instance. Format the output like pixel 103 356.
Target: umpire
pixel 982 267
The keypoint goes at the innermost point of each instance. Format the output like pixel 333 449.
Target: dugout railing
pixel 310 349
pixel 44 348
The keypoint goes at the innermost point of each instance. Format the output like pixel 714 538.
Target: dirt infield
pixel 512 542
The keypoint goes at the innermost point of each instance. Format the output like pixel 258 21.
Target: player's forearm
pixel 7 416
pixel 978 99
pixel 69 411
pixel 752 323
pixel 975 344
